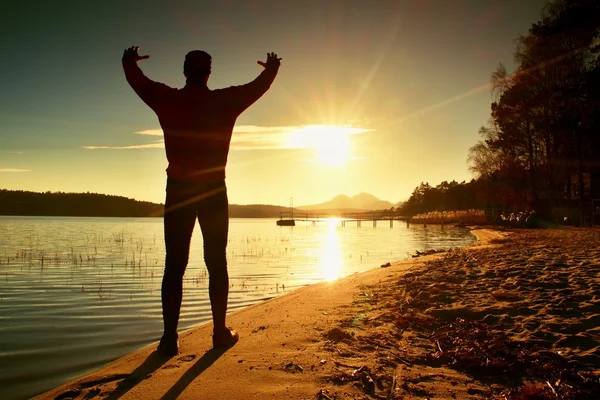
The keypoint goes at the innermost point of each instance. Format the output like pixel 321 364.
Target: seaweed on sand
pixel 472 347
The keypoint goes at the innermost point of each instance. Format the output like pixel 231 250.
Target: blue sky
pixel 411 76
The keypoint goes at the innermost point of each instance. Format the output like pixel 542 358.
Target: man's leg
pixel 213 216
pixel 179 223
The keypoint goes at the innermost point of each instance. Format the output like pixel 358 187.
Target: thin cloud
pixel 14 170
pixel 157 145
pixel 151 132
pixel 14 152
pixel 254 128
pixel 236 129
pixel 253 137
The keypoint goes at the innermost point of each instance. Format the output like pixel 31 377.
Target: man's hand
pixel 132 54
pixel 272 62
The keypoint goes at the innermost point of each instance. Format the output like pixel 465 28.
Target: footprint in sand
pixel 75 393
pixel 107 379
pixel 182 359
pixel 188 358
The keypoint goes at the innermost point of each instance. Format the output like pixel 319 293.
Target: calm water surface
pixel 77 293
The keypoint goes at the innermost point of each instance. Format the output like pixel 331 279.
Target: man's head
pixel 197 65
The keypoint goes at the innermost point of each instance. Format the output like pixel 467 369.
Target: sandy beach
pixel 515 315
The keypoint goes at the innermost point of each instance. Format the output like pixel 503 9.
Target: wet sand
pixel 516 313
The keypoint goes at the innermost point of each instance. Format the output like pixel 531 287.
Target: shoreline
pixel 196 342
pixel 371 335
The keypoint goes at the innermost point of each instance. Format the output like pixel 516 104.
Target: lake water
pixel 77 293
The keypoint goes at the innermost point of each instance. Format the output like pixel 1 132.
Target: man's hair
pixel 197 63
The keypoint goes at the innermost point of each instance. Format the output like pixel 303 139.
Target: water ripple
pixel 77 293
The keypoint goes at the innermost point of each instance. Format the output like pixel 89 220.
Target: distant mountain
pixel 343 203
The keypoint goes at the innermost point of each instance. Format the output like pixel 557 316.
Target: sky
pixel 372 96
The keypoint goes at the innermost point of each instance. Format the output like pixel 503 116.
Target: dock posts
pixel 359 218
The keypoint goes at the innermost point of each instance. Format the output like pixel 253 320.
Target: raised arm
pixel 147 89
pixel 246 95
pixel 134 75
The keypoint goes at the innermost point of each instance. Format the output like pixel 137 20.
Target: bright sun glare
pixel 330 143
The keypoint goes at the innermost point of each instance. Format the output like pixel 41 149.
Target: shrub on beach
pixel 463 217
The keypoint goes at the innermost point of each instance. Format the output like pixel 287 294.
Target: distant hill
pixel 255 211
pixel 343 203
pixel 18 202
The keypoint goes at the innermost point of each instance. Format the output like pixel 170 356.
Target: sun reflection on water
pixel 331 261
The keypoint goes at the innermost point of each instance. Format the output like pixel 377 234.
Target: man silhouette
pixel 197 123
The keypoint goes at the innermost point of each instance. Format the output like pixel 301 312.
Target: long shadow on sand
pixel 150 364
pixel 200 366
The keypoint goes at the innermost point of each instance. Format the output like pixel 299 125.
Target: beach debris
pixel 293 367
pixel 260 328
pixel 337 335
pixel 476 348
pixel 439 346
pixel 322 395
pixel 415 321
pixel 472 346
pixel 322 362
pixel 429 252
pixel 551 387
pixel 329 345
pixel 387 264
pixel 492 317
pixel 361 377
pixel 364 374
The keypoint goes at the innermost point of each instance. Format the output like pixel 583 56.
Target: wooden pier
pixel 289 218
pixel 374 216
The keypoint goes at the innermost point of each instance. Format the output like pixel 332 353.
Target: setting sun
pixel 330 143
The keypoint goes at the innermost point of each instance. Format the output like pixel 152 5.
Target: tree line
pixel 445 196
pixel 18 202
pixel 540 149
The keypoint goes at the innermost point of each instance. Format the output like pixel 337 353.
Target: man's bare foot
pixel 225 339
pixel 168 346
